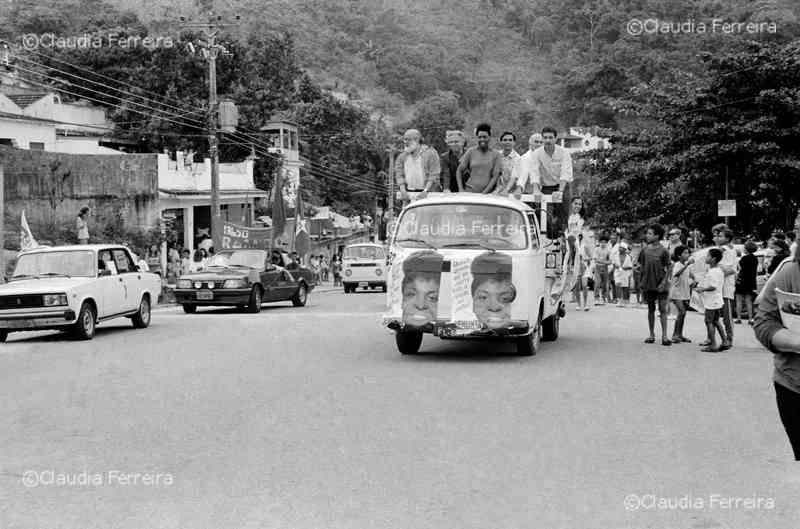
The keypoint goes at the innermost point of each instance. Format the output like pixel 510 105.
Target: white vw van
pixel 364 266
pixel 467 265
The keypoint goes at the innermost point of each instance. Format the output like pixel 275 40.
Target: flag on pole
pixel 26 240
pixel 301 238
pixel 278 208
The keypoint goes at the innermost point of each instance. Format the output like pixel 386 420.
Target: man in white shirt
pixel 723 238
pixel 417 167
pixel 511 160
pixel 549 170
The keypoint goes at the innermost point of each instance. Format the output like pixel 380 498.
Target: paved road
pixel 309 418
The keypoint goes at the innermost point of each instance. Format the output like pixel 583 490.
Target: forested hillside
pixel 519 62
pixel 353 73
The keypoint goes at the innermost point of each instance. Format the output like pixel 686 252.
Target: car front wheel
pixel 550 328
pixel 142 318
pixel 408 343
pixel 85 326
pixel 300 297
pixel 254 306
pixel 3 336
pixel 188 308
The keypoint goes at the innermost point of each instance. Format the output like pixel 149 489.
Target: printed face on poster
pixel 471 293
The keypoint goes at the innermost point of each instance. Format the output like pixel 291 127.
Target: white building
pixel 39 119
pixel 21 131
pixel 579 140
pixel 184 190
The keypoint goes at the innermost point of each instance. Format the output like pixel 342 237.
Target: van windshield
pixel 364 252
pixel 462 225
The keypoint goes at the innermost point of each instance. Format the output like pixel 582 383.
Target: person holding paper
pixel 785 345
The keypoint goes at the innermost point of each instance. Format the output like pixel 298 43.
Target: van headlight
pixel 55 300
pixel 184 283
pixel 235 283
pixel 378 271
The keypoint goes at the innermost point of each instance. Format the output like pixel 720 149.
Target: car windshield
pixel 78 263
pixel 462 225
pixel 364 252
pixel 247 258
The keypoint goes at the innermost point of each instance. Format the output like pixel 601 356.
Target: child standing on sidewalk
pixel 711 288
pixel 654 265
pixel 622 274
pixel 680 291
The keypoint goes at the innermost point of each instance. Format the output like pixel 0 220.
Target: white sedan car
pixel 73 288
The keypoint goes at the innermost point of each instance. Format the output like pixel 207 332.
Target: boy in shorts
pixel 713 303
pixel 654 265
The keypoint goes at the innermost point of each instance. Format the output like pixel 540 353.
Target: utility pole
pixel 390 198
pixel 726 192
pixel 211 50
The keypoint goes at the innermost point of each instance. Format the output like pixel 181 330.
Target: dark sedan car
pixel 245 279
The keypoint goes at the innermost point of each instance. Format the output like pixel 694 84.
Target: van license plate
pixel 205 295
pixel 363 284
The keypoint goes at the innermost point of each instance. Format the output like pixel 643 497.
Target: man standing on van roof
pixel 417 167
pixel 483 164
pixel 448 161
pixel 549 168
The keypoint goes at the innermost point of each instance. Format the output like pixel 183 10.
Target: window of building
pixel 36 146
pixel 286 139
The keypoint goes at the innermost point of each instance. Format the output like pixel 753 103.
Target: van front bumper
pixel 448 329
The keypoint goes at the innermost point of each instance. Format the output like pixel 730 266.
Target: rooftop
pixel 23 100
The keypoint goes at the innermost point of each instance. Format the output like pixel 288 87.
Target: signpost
pixel 726 208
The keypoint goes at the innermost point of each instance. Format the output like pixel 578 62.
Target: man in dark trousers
pixel 448 160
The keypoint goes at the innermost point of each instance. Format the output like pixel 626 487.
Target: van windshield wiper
pixel 55 274
pixel 426 243
pixel 23 276
pixel 470 244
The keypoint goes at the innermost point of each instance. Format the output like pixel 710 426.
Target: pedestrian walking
pixel 324 268
pixel 336 269
pixel 623 267
pixel 723 238
pixel 584 261
pixel 602 264
pixel 785 345
pixel 82 225
pixel 746 285
pixel 680 291
pixel 711 287
pixel 654 265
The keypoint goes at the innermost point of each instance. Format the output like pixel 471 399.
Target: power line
pixel 322 170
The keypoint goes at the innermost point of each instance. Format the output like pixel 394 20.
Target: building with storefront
pixel 184 196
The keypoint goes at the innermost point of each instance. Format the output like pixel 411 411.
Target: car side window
pixel 106 262
pixel 123 262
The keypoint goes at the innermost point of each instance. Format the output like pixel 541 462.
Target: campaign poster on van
pixel 474 292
